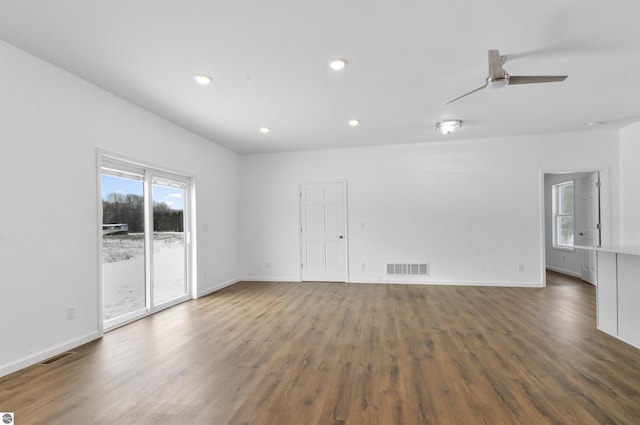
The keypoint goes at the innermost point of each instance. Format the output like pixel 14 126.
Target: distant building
pixel 115 229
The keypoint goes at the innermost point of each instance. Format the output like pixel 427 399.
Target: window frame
pixel 557 214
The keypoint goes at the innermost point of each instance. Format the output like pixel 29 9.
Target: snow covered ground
pixel 124 273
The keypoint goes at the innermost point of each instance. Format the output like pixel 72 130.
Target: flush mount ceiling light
pixel 338 64
pixel 448 126
pixel 202 79
pixel 265 130
pixel 354 123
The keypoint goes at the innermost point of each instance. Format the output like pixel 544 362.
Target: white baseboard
pixel 619 338
pixel 46 354
pixel 271 279
pixel 404 281
pixel 508 284
pixel 567 272
pixel 218 287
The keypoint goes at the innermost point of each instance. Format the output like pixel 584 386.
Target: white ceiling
pixel 407 58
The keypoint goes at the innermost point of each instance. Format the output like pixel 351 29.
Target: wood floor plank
pixel 344 354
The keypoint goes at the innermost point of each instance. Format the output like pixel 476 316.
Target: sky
pixel 173 197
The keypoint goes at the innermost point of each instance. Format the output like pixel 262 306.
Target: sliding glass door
pixel 123 246
pixel 145 241
pixel 169 239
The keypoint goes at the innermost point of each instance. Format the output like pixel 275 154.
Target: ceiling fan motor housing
pixel 497 83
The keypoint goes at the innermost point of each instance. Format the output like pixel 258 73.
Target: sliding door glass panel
pixel 123 245
pixel 169 240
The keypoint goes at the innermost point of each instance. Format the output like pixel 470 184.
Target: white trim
pixel 555 201
pixel 290 279
pixel 506 284
pixel 48 353
pixel 619 338
pixel 346 230
pixel 218 287
pixel 193 233
pixel 562 271
pixel 100 324
pixel 139 314
pixel 387 281
pixel 134 162
pixel 606 208
pixel 148 244
pixel 543 232
pixel 563 249
pixel 125 319
pixel 170 303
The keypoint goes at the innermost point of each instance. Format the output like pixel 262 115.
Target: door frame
pixel 606 222
pixel 190 236
pixel 588 274
pixel 346 223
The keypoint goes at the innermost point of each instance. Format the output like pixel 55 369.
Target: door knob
pixel 581 234
pixel 340 237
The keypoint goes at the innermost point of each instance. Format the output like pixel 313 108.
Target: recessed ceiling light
pixel 265 130
pixel 338 64
pixel 354 123
pixel 202 79
pixel 448 126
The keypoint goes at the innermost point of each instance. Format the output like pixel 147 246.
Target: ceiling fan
pixel 499 78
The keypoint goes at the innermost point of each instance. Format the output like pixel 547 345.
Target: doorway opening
pixel 573 216
pixel 145 240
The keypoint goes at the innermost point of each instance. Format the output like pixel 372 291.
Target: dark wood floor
pixel 338 354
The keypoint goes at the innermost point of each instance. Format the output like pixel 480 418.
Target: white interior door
pixel 588 223
pixel 323 235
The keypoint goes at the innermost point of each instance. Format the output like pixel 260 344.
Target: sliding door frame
pixel 149 170
pixel 149 174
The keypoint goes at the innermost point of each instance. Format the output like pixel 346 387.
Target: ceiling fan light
pixel 202 79
pixel 448 126
pixel 338 64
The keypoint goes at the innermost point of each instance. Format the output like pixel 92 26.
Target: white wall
pixel 560 260
pixel 51 125
pixel 630 185
pixel 472 209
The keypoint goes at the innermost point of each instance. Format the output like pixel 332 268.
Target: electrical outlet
pixel 521 268
pixel 71 313
pixel 267 265
pixel 363 266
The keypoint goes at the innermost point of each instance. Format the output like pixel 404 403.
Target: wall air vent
pixel 408 269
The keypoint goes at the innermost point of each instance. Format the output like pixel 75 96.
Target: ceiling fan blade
pixel 496 71
pixel 466 94
pixel 532 79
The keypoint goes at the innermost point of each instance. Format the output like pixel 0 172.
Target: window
pixel 563 215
